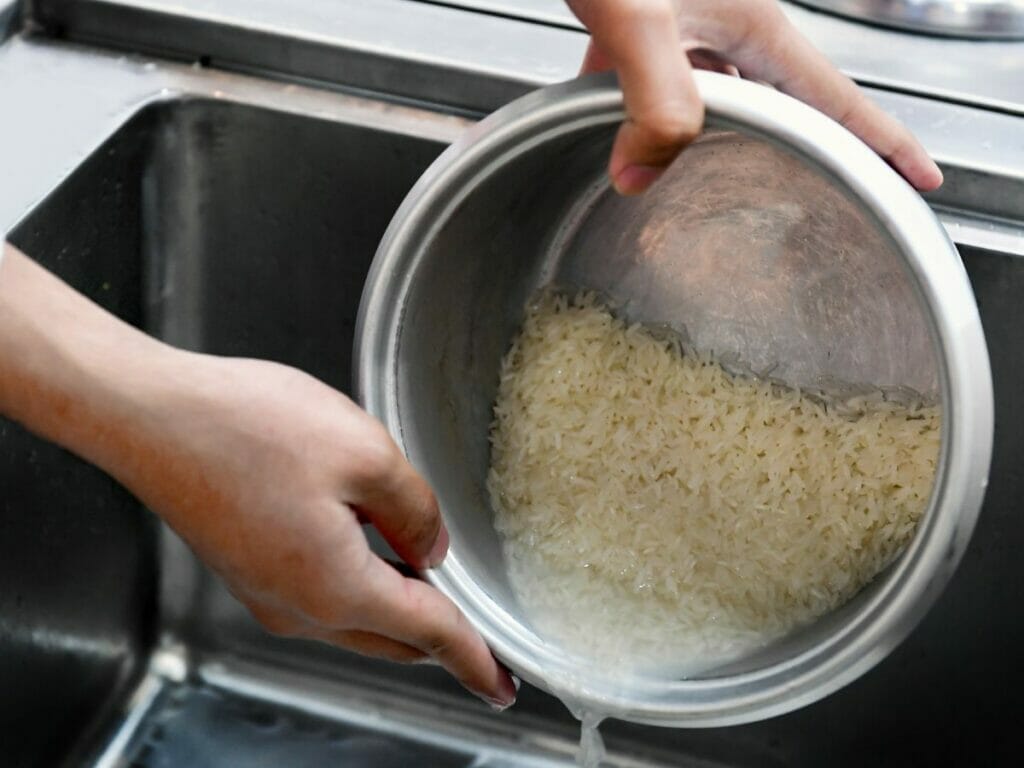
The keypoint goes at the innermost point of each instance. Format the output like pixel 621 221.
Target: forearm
pixel 259 467
pixel 70 371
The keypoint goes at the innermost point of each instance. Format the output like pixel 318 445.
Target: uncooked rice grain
pixel 656 510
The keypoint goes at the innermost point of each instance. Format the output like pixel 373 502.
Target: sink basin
pixel 199 222
pixel 240 219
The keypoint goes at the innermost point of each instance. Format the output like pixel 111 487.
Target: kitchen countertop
pixel 476 60
pixel 536 40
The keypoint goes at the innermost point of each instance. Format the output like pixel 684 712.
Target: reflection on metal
pixel 230 712
pixel 992 19
pixel 139 704
pixel 987 234
pixel 9 18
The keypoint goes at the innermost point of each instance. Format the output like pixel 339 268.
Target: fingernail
pixel 498 705
pixel 510 691
pixel 510 687
pixel 634 179
pixel 439 550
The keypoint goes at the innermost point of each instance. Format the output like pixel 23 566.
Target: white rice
pixel 657 510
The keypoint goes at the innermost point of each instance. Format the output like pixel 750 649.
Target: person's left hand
pixel 653 45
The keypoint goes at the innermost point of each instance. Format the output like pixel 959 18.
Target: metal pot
pixel 778 240
pixel 983 19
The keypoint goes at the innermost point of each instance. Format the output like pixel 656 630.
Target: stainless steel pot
pixel 778 241
pixel 983 19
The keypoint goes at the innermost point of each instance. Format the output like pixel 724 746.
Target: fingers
pixel 372 644
pixel 401 619
pixel 889 138
pixel 387 492
pixel 777 53
pixel 285 624
pixel 640 39
pixel 414 613
pixel 594 60
pixel 709 60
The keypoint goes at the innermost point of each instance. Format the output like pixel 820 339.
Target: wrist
pixel 73 373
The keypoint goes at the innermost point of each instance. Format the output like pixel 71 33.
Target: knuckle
pixel 436 643
pixel 335 609
pixel 438 624
pixel 671 126
pixel 423 526
pixel 654 12
pixel 757 21
pixel 441 638
pixel 378 458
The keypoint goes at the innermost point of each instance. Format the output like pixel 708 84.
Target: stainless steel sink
pixel 239 215
pixel 201 222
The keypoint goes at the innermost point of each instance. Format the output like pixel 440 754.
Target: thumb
pixel 388 493
pixel 664 111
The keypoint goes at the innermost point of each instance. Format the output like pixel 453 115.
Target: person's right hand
pixel 266 472
pixel 654 45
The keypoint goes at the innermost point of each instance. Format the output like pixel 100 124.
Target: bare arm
pixel 265 471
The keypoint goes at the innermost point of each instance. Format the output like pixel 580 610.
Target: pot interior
pixel 748 250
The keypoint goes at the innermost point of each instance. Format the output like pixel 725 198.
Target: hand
pixel 266 472
pixel 654 45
